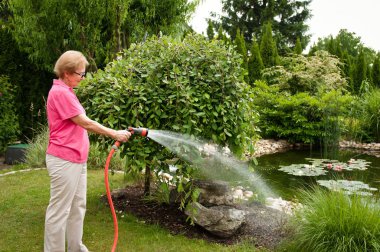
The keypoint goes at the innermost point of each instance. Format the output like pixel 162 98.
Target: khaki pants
pixel 67 206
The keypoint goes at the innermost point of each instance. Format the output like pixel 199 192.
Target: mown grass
pixel 24 198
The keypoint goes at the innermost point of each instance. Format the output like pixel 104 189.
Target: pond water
pixel 288 186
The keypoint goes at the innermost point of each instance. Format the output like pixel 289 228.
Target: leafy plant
pixel 303 100
pixel 9 125
pixel 321 166
pixel 192 86
pixel 348 186
pixel 334 221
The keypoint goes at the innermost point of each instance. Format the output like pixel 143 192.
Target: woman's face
pixel 76 77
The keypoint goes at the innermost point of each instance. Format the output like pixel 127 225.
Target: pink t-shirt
pixel 67 140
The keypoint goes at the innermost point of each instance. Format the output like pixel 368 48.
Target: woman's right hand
pixel 122 135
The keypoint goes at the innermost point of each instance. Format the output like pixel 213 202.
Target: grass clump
pixel 334 221
pixel 36 153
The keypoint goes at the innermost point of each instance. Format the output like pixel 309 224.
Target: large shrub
pixel 192 86
pixel 9 126
pixel 302 100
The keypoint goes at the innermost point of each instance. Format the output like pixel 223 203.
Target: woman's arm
pixel 92 126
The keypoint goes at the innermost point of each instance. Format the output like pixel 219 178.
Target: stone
pixel 222 221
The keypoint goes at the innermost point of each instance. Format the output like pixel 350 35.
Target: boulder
pixel 222 221
pixel 214 193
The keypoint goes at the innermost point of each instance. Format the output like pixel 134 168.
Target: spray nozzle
pixel 139 131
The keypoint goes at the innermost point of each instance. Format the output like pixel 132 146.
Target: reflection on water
pixel 287 186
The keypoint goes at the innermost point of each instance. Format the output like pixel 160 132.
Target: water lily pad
pixel 303 170
pixel 352 164
pixel 348 187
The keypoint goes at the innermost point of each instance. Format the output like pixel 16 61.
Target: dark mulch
pixel 264 227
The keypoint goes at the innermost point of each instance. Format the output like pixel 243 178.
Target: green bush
pixel 303 100
pixel 293 117
pixel 9 125
pixel 334 221
pixel 194 86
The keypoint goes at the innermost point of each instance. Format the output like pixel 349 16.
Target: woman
pixel 67 153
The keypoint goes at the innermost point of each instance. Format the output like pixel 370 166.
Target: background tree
pixel 288 18
pixel 255 63
pixel 375 73
pixel 268 48
pixel 241 49
pixel 210 30
pixel 147 18
pixel 9 125
pixel 347 47
pixel 32 85
pixel 97 28
pixel 298 47
pixel 360 72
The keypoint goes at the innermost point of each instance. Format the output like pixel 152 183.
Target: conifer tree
pixel 241 48
pixel 220 33
pixel 298 47
pixel 360 73
pixel 347 67
pixel 255 63
pixel 210 30
pixel 288 19
pixel 267 47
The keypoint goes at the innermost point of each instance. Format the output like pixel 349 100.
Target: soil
pixel 264 227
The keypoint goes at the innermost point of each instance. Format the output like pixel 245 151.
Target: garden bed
pixel 265 227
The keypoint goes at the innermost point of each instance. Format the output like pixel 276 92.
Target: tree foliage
pixel 301 98
pixel 288 18
pixel 298 47
pixel 9 125
pixel 45 29
pixel 255 63
pixel 375 72
pixel 351 51
pixel 192 86
pixel 242 50
pixel 312 74
pixel 32 85
pixel 268 47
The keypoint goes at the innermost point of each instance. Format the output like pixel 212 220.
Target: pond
pixel 277 171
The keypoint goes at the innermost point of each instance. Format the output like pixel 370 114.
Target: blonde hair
pixel 69 61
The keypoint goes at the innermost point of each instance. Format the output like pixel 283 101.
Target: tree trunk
pixel 147 181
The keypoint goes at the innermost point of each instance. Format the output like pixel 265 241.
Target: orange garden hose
pixel 109 197
pixel 139 131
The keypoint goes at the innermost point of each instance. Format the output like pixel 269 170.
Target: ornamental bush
pixel 194 86
pixel 9 125
pixel 303 100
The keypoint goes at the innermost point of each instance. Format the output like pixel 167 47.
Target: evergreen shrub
pixel 9 125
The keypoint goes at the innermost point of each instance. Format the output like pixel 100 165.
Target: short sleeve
pixel 67 104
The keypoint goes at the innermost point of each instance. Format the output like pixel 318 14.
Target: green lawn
pixel 23 201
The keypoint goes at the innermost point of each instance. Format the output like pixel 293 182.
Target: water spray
pixel 135 131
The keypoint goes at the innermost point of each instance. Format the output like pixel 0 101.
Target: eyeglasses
pixel 82 74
